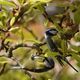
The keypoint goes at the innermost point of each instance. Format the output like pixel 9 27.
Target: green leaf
pixel 74 55
pixel 3 15
pixel 1 24
pixel 12 21
pixel 21 1
pixel 77 16
pixel 51 54
pixel 7 3
pixel 60 31
pixel 64 46
pixel 33 40
pixel 75 48
pixel 58 28
pixel 43 1
pixel 77 36
pixel 3 60
pixel 41 8
pixel 14 29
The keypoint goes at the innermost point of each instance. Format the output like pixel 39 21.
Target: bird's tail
pixel 60 58
pixel 70 64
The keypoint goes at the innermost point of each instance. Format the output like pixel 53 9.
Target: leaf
pixel 7 3
pixel 77 36
pixel 33 40
pixel 51 54
pixel 17 2
pixel 58 28
pixel 46 22
pixel 10 40
pixel 77 16
pixel 64 46
pixel 12 21
pixel 3 15
pixel 34 1
pixel 75 48
pixel 21 1
pixel 74 55
pixel 14 29
pixel 4 60
pixel 1 24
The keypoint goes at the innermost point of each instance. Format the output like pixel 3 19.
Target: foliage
pixel 23 47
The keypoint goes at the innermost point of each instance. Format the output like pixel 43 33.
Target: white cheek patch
pixel 45 36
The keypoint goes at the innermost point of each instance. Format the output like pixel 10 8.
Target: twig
pixel 11 49
pixel 3 44
pixel 19 66
pixel 2 70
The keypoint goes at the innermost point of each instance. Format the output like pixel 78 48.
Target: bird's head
pixel 51 32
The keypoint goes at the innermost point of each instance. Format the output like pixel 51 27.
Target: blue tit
pixel 53 47
pixel 48 37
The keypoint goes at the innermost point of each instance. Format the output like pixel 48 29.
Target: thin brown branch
pixel 2 69
pixel 11 49
pixel 3 44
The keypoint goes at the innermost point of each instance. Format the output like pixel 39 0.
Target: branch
pixel 3 44
pixel 11 49
pixel 2 69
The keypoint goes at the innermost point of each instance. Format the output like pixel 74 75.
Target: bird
pixel 48 35
pixel 48 64
pixel 53 47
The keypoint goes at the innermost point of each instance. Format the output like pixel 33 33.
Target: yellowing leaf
pixel 12 21
pixel 3 60
pixel 14 29
pixel 7 3
pixel 44 1
pixel 32 40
